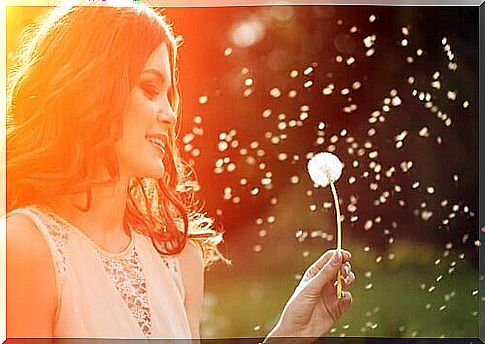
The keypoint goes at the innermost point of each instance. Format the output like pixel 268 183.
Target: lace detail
pixel 170 263
pixel 127 276
pixel 57 235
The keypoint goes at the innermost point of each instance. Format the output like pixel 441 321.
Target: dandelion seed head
pixel 324 168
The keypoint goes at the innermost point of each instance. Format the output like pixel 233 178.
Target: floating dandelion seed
pixel 275 92
pixel 350 60
pixel 227 51
pixel 308 84
pixel 324 169
pixel 308 70
pixel 369 41
pixel 451 95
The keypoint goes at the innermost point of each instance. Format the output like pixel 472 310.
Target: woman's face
pixel 147 120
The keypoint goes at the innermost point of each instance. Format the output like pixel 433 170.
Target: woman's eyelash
pixel 151 90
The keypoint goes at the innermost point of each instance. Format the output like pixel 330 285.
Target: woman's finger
pixel 327 274
pixel 346 255
pixel 346 269
pixel 320 262
pixel 345 302
pixel 349 280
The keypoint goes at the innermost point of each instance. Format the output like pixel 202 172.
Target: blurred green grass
pixel 392 298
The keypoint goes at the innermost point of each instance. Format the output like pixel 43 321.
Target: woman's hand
pixel 314 307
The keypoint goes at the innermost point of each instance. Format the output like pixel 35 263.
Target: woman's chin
pixel 155 171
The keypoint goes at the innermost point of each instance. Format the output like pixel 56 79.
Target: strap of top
pixel 173 265
pixel 56 239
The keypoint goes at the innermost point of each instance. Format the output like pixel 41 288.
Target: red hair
pixel 73 72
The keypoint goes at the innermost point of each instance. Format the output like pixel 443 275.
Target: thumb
pixel 327 274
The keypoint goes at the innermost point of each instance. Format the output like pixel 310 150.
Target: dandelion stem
pixel 339 236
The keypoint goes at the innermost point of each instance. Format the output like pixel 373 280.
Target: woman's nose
pixel 167 118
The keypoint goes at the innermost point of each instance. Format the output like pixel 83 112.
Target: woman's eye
pixel 151 91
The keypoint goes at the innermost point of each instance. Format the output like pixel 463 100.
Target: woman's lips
pixel 159 148
pixel 157 142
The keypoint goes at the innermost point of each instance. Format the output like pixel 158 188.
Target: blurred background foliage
pixel 393 91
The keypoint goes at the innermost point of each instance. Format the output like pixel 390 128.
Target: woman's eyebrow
pixel 162 78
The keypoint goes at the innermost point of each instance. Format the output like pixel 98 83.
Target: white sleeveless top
pixel 133 294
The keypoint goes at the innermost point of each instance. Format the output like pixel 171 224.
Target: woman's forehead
pixel 159 61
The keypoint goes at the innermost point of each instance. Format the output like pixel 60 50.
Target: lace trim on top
pixel 60 221
pixel 124 269
pixel 127 276
pixel 58 236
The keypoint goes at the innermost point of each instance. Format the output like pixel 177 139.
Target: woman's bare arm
pixel 192 266
pixel 31 285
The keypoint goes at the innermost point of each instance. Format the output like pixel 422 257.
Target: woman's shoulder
pixel 34 222
pixel 23 236
pixel 191 261
pixel 30 238
pixel 192 251
pixel 26 245
pixel 30 276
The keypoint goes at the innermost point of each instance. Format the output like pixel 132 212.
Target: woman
pixel 104 235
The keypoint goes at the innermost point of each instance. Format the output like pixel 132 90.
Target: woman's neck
pixel 103 222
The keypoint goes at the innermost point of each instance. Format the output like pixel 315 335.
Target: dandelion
pixel 325 169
